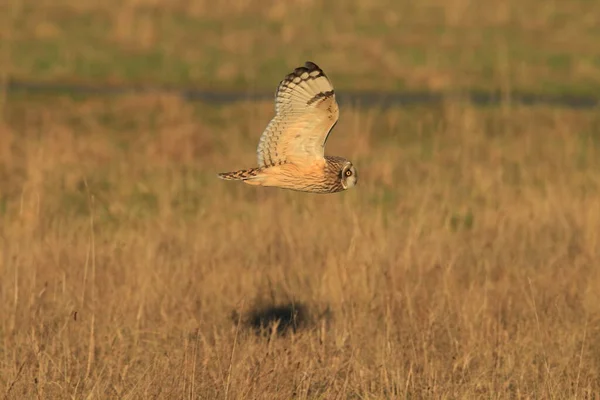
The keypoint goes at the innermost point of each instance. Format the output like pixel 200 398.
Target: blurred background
pixel 548 47
pixel 463 265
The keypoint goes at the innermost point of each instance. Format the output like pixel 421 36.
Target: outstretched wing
pixel 305 113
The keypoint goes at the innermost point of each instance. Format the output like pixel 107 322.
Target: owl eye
pixel 348 173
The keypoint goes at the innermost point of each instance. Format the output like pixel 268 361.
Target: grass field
pixel 465 264
pixel 543 46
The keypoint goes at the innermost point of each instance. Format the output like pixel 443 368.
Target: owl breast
pixel 315 179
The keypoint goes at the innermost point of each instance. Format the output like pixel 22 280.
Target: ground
pixel 548 46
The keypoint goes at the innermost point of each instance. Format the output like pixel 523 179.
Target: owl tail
pixel 240 175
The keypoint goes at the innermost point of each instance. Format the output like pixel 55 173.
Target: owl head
pixel 348 176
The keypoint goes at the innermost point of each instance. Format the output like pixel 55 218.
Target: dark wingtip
pixel 311 66
pixel 308 66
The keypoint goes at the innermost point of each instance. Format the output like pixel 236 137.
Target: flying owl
pixel 291 149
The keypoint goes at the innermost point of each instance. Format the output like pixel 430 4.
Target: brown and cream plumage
pixel 291 149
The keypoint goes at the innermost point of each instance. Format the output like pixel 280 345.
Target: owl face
pixel 348 176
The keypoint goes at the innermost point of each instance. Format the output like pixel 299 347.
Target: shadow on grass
pixel 280 319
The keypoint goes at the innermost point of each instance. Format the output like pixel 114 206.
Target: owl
pixel 291 149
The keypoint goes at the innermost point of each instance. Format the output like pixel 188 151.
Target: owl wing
pixel 305 113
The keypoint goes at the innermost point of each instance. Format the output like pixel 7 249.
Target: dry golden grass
pixel 463 265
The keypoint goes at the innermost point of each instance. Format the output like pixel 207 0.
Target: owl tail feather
pixel 240 175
